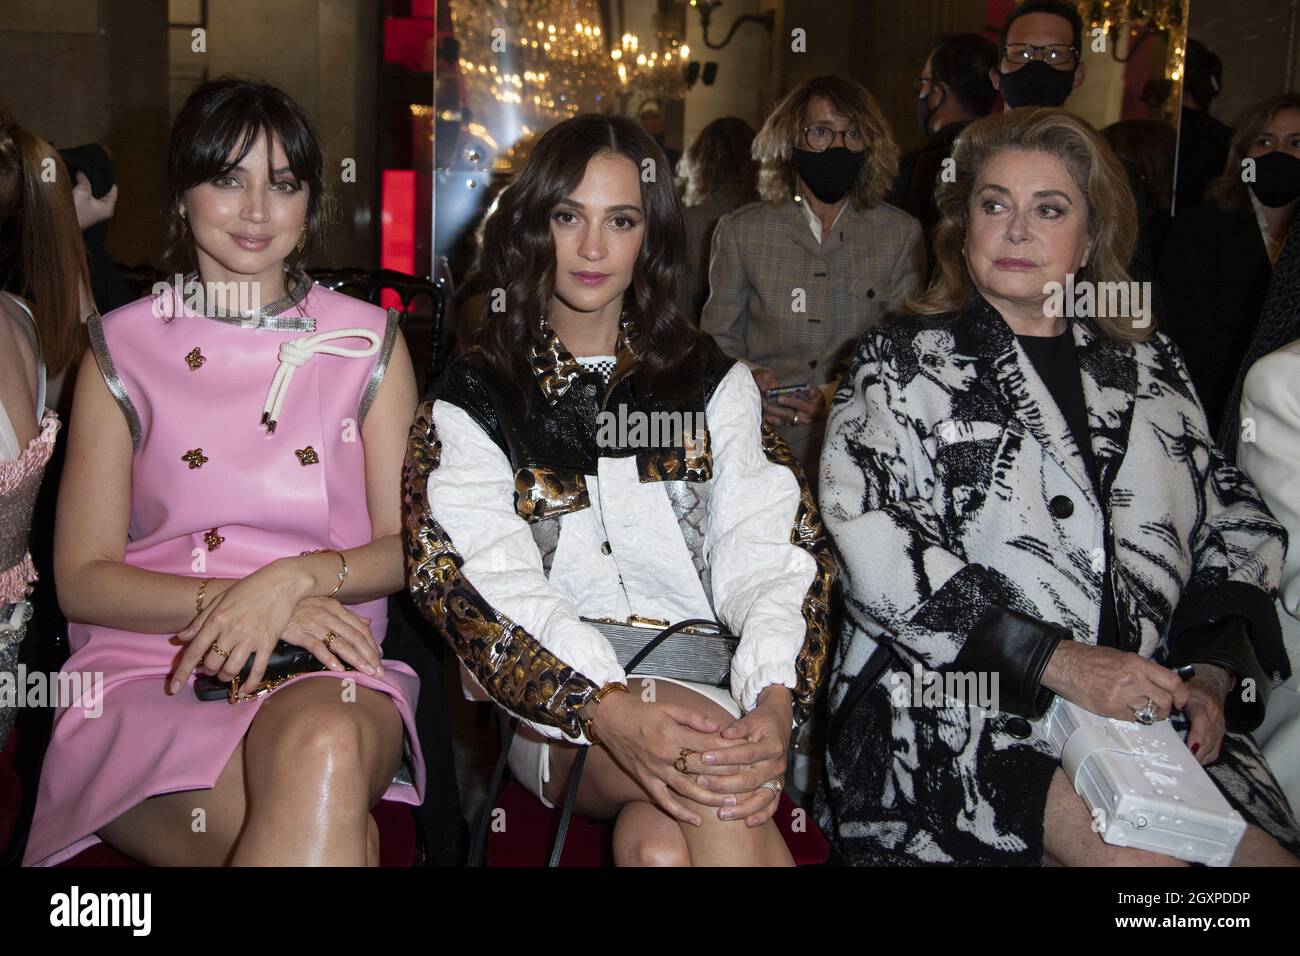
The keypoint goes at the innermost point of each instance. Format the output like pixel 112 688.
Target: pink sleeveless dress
pixel 214 495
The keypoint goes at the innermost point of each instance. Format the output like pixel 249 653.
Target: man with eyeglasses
pixel 1039 62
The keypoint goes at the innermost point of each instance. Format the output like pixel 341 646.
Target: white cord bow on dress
pixel 298 352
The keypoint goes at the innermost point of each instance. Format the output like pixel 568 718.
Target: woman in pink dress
pixel 232 481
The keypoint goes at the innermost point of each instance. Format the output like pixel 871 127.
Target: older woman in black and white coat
pixel 1024 492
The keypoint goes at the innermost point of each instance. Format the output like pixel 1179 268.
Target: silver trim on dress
pixel 99 345
pixel 381 365
pixel 268 318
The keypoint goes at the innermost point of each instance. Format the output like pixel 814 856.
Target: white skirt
pixel 530 752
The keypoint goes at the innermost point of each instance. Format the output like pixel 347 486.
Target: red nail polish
pixel 1195 747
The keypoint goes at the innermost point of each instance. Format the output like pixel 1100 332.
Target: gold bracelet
pixel 586 722
pixel 198 601
pixel 607 690
pixel 343 572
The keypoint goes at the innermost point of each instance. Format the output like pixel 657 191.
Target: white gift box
pixel 1144 787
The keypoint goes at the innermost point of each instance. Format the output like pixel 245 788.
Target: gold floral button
pixel 307 456
pixel 195 457
pixel 212 539
pixel 195 359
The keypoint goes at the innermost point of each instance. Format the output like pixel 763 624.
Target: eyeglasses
pixel 1055 55
pixel 920 83
pixel 820 138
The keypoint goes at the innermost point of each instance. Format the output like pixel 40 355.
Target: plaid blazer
pixel 779 299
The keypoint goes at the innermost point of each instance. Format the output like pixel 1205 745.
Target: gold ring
pixel 680 762
pixel 329 638
pixel 217 650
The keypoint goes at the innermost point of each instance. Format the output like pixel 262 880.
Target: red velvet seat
pixel 529 831
pixel 397 837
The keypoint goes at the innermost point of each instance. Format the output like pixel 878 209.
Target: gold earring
pixel 302 239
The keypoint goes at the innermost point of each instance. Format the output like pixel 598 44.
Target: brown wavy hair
pixel 40 240
pixel 775 144
pixel 721 156
pixel 518 256
pixel 1226 190
pixel 1095 169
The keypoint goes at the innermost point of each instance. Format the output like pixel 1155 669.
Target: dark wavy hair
pixel 519 257
pixel 216 129
pixel 721 155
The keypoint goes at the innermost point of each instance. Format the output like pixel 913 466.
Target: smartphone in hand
pixel 772 394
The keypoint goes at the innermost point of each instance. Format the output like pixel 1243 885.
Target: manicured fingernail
pixel 173 687
pixel 702 780
pixel 729 801
pixel 1195 747
pixel 709 758
pixel 725 814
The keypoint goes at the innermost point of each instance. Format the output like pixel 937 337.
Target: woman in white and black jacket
pixel 527 510
pixel 1018 493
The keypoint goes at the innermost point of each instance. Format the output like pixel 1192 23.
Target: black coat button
pixel 871 293
pixel 812 363
pixel 605 548
pixel 1062 506
pixel 1019 727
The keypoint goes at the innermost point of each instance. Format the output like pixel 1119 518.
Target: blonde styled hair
pixel 776 142
pixel 1096 171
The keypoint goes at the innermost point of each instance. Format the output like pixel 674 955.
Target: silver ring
pixel 796 419
pixel 774 785
pixel 1146 715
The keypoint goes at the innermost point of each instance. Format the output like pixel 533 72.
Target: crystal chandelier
pixel 527 64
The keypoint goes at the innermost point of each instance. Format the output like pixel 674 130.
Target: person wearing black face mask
pixel 796 278
pixel 1039 48
pixel 952 90
pixel 1217 264
pixel 1039 64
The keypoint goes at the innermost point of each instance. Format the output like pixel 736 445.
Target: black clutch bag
pixel 287 660
pixel 699 652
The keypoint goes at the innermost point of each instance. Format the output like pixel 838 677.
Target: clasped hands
pixel 728 765
pixel 1117 684
pixel 273 603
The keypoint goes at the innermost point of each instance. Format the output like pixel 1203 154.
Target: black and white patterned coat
pixel 972 539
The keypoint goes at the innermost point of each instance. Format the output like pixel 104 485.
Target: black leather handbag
pixel 286 661
pixel 696 649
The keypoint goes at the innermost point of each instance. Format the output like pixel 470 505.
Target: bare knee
pixel 646 836
pixel 324 739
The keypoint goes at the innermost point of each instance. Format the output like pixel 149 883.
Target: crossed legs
pixel 296 792
pixel 644 835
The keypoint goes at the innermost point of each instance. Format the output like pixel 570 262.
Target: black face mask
pixel 1036 84
pixel 1277 179
pixel 924 113
pixel 831 173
